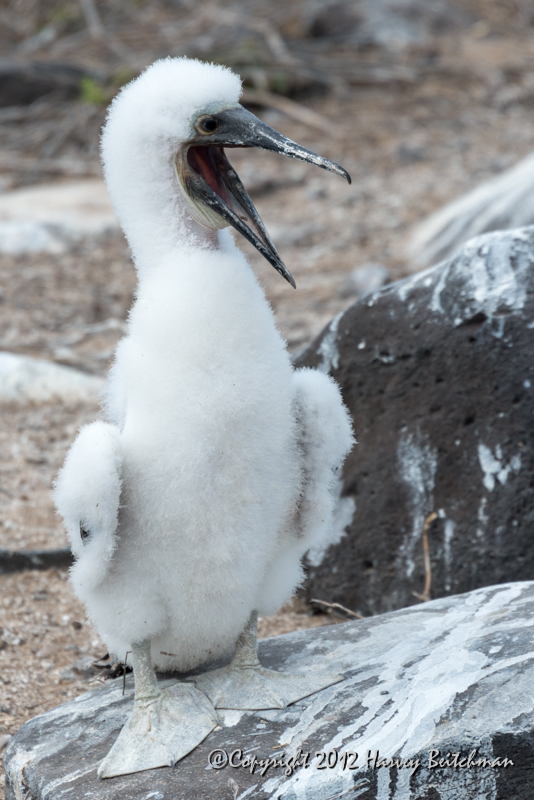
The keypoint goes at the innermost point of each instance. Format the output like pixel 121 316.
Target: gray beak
pixel 212 180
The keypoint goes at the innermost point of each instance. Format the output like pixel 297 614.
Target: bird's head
pixel 188 113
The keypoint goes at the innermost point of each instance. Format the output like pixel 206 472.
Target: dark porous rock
pixel 438 373
pixel 453 676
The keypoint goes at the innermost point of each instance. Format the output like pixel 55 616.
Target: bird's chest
pixel 208 397
pixel 221 468
pixel 219 430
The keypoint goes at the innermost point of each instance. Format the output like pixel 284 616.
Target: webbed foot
pixel 165 725
pixel 258 688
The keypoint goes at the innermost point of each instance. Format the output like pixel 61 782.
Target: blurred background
pixel 420 100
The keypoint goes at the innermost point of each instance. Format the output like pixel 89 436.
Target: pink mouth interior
pixel 209 162
pixel 214 168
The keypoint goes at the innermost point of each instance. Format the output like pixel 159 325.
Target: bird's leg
pixel 164 726
pixel 245 684
pixel 246 647
pixel 146 683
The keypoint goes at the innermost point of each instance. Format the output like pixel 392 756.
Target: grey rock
pixel 506 201
pixel 453 676
pixel 53 217
pixel 24 379
pixel 364 280
pixel 390 24
pixel 438 374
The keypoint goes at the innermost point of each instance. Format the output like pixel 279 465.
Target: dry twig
pixel 338 605
pixel 92 18
pixel 425 597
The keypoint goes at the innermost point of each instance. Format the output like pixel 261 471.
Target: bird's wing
pixel 87 494
pixel 325 438
pixel 114 395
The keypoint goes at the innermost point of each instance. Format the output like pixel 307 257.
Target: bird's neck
pixel 201 309
pixel 151 208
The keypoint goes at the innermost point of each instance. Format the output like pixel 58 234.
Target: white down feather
pixel 87 494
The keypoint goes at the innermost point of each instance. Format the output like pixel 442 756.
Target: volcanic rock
pixel 445 688
pixel 438 374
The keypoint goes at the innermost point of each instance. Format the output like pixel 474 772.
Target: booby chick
pixel 190 508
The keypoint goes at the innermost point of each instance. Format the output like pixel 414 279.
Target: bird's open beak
pixel 211 181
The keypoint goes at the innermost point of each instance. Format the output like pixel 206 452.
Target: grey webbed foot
pixel 245 684
pixel 165 725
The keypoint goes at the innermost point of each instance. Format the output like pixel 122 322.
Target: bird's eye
pixel 84 534
pixel 207 125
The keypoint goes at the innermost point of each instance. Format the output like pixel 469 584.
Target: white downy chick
pixel 194 504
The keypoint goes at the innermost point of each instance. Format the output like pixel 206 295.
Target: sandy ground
pixel 409 149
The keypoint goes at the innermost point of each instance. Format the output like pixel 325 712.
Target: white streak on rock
pixel 483 278
pixel 51 791
pixel 417 467
pixel 447 555
pixel 270 785
pixel 428 687
pixel 515 463
pixel 482 517
pixel 489 465
pixel 404 287
pixel 492 466
pixel 408 698
pixel 382 784
pixel 328 348
pixel 435 303
pixel 402 789
pixel 492 279
pixel 247 792
pixel 16 772
pixel 229 718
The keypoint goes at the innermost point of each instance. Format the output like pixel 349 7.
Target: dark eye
pixel 208 125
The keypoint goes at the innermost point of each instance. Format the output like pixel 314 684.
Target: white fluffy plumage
pixel 222 455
